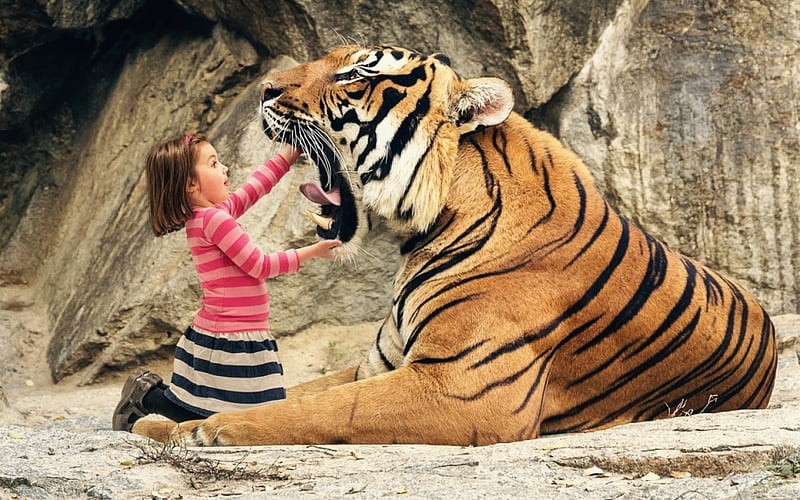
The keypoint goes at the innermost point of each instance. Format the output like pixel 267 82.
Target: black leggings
pixel 155 402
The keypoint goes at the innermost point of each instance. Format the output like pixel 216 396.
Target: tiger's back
pixel 593 321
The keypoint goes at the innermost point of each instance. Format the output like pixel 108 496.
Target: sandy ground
pixel 31 398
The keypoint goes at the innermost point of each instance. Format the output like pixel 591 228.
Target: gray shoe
pixel 131 400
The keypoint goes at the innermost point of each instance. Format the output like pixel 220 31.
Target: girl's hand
pixel 290 153
pixel 321 249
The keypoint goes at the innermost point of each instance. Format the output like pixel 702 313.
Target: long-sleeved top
pixel 231 268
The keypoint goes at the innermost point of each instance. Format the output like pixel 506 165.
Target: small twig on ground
pixel 201 468
pixel 679 409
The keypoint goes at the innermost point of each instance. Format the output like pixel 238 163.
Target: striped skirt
pixel 223 372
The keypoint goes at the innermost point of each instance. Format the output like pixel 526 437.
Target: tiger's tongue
pixel 315 193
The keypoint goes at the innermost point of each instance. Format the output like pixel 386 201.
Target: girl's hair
pixel 170 167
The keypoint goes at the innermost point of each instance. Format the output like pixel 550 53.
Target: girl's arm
pixel 261 181
pixel 320 249
pixel 290 154
pixel 234 242
pixel 223 230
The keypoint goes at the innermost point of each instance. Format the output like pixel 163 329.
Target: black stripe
pixel 419 326
pixel 726 367
pixel 537 382
pixel 223 344
pixel 356 94
pixel 455 253
pixel 232 371
pixel 691 377
pixel 714 292
pixel 337 124
pixel 386 363
pixel 684 301
pixel 548 193
pixel 390 98
pixel 488 178
pixel 531 156
pixel 509 380
pixel 765 386
pixel 406 214
pixel 628 377
pixel 600 228
pixel 231 396
pixel 450 286
pixel 568 338
pixel 670 349
pixel 653 278
pixel 576 227
pixel 450 359
pixel 500 143
pixel 419 240
pixel 407 80
pixel 402 136
pixel 756 363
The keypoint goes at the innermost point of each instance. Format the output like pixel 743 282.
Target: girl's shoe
pixel 131 400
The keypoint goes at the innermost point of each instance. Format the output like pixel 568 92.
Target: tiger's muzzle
pixel 337 217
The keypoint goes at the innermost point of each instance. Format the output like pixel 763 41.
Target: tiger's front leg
pixel 408 405
pixel 322 383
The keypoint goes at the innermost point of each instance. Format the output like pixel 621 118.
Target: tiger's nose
pixel 270 91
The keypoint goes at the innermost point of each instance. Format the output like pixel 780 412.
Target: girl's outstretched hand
pixel 321 249
pixel 290 153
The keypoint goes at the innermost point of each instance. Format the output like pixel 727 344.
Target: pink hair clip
pixel 188 139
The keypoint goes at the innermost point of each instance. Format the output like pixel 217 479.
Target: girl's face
pixel 210 185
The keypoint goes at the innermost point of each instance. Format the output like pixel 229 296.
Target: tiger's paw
pixel 208 432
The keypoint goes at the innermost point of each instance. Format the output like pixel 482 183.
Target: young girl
pixel 227 359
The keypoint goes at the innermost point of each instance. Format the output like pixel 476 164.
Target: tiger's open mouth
pixel 337 217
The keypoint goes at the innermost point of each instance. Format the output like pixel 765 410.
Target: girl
pixel 227 359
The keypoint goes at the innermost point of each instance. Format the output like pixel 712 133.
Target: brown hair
pixel 170 167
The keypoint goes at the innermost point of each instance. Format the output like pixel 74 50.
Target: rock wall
pixel 685 111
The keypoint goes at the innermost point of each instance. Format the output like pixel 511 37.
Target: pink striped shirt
pixel 231 268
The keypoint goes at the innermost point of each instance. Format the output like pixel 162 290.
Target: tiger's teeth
pixel 324 222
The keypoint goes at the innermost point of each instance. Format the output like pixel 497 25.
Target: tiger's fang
pixel 324 222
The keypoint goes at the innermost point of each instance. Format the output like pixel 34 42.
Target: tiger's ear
pixel 483 102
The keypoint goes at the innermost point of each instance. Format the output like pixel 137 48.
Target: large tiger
pixel 524 304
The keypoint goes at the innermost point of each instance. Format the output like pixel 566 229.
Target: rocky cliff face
pixel 686 112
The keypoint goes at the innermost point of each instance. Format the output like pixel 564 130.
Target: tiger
pixel 524 305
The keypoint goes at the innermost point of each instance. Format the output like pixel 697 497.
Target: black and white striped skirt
pixel 215 372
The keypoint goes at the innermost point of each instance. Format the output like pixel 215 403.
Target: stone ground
pixel 56 442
